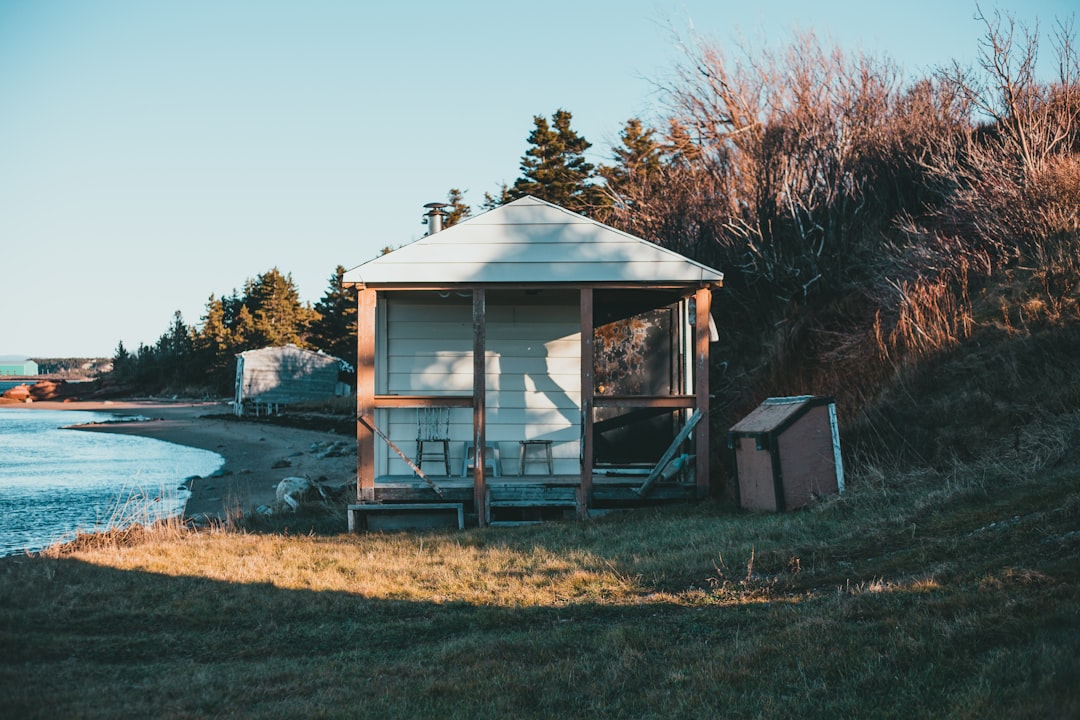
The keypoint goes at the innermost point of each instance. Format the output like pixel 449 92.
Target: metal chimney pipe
pixel 434 216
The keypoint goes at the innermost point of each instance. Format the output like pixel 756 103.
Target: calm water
pixel 54 481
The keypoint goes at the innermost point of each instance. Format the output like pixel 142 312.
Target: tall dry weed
pixel 135 517
pixel 934 314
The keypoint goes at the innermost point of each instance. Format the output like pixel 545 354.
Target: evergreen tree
pixel 123 364
pixel 493 201
pixel 213 347
pixel 146 368
pixel 458 209
pixel 213 337
pixel 278 317
pixel 637 177
pixel 243 335
pixel 638 161
pixel 334 329
pixel 173 354
pixel 230 309
pixel 554 168
pixel 177 341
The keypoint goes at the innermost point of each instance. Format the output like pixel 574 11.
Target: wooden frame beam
pixel 587 395
pixel 423 401
pixel 703 302
pixel 479 402
pixel 646 401
pixel 365 395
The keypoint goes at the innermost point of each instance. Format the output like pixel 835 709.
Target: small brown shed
pixel 787 452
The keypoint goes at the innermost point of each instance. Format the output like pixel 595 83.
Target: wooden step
pixel 406 516
pixel 528 496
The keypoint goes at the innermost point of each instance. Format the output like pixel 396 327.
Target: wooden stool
pixel 525 459
pixel 491 458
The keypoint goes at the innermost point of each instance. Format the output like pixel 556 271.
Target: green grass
pixel 947 588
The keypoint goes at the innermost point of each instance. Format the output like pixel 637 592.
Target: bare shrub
pixel 864 222
pixel 1009 178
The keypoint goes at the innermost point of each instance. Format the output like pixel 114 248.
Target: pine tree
pixel 214 347
pixel 458 209
pixel 334 329
pixel 638 162
pixel 213 336
pixel 243 335
pixel 174 353
pixel 493 201
pixel 554 168
pixel 278 317
pixel 123 364
pixel 230 308
pixel 147 376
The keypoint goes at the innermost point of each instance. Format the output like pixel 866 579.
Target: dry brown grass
pixel 933 315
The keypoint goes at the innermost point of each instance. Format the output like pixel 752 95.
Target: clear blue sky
pixel 153 153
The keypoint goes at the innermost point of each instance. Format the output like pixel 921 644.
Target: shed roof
pixel 277 353
pixel 531 241
pixel 776 413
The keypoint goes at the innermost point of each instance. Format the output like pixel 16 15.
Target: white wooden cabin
pixel 533 323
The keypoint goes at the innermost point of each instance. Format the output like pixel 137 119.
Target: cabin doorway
pixel 638 351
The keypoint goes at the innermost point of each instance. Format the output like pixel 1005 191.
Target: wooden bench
pixel 406 516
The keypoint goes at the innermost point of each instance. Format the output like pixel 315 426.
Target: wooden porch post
pixel 365 395
pixel 703 300
pixel 479 401
pixel 587 392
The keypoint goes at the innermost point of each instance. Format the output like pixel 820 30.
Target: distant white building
pixel 269 378
pixel 17 365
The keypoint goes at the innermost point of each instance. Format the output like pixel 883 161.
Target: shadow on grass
pixel 88 641
pixel 82 640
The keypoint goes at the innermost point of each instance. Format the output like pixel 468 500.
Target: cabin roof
pixel 531 241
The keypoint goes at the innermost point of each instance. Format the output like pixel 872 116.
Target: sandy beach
pixel 257 455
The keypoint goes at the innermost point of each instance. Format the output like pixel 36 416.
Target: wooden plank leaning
pixel 669 453
pixel 370 425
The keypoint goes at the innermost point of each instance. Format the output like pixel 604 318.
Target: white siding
pixel 429 347
pixel 533 380
pixel 532 368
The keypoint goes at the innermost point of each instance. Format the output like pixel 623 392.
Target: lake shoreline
pixel 257 456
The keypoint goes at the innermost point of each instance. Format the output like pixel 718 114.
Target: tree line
pixel 267 312
pixel 862 218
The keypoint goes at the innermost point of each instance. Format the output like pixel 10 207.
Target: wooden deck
pixel 517 499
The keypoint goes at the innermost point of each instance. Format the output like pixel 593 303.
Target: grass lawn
pixel 953 593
